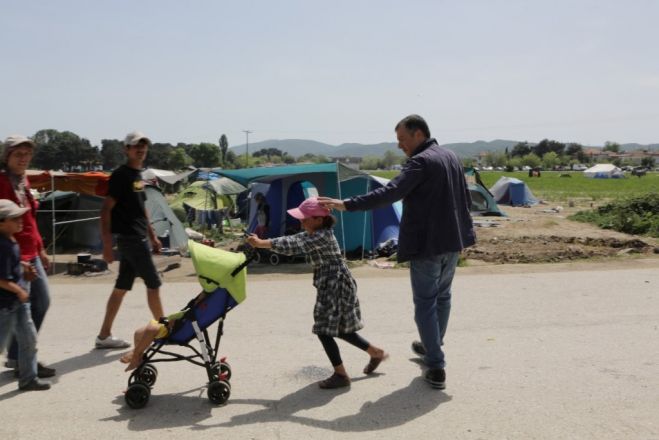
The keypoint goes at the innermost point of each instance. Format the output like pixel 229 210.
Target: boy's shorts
pixel 135 261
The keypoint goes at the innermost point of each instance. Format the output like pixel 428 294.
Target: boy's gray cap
pixel 134 138
pixel 12 142
pixel 9 209
pixel 16 139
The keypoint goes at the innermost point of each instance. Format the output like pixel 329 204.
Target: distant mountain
pixel 633 147
pixel 299 147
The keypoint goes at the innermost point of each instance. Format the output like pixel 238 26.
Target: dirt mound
pixel 548 249
pixel 545 235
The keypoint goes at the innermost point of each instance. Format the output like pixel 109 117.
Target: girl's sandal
pixel 374 363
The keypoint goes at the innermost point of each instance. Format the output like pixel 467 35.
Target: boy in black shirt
pixel 123 214
pixel 15 316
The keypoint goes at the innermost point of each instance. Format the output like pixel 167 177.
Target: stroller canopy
pixel 214 267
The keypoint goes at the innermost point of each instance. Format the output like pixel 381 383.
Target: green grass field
pixel 552 187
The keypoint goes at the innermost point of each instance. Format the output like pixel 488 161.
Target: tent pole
pixel 52 207
pixel 364 223
pixel 338 186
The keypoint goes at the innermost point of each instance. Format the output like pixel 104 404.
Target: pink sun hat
pixel 309 208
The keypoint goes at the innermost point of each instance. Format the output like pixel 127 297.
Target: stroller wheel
pixel 274 259
pixel 225 368
pixel 148 374
pixel 137 395
pixel 219 392
pixel 257 257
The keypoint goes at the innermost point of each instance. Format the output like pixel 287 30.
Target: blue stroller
pixel 222 276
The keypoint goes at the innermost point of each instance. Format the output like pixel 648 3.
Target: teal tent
pixel 482 200
pixel 286 187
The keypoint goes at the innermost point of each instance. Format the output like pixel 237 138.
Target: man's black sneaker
pixel 418 348
pixel 35 385
pixel 436 377
pixel 43 371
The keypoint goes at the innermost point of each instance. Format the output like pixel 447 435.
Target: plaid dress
pixel 337 307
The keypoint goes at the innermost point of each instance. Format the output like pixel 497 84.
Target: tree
pixel 532 160
pixel 611 146
pixel 112 153
pixel 178 159
pixel 550 160
pixel 521 149
pixel 159 156
pixel 205 155
pixel 576 151
pixel 545 146
pixel 370 163
pixel 268 152
pixel 495 159
pixel 390 159
pixel 648 162
pixel 64 150
pixel 230 161
pixel 514 163
pixel 224 146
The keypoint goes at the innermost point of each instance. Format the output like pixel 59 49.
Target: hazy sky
pixel 341 71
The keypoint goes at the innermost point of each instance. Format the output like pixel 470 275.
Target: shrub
pixel 635 215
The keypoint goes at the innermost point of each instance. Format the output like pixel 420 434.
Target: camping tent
pixel 73 231
pixel 604 171
pixel 164 221
pixel 511 191
pixel 288 186
pixel 202 200
pixel 482 201
pixel 71 210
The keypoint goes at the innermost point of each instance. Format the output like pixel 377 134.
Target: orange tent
pixel 93 183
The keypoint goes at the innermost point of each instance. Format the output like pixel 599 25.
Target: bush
pixel 635 215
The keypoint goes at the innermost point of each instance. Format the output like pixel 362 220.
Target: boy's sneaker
pixel 418 348
pixel 35 385
pixel 11 363
pixel 111 342
pixel 436 377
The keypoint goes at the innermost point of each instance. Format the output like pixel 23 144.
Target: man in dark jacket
pixel 435 227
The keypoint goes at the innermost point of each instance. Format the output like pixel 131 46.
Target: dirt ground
pixel 536 235
pixel 543 234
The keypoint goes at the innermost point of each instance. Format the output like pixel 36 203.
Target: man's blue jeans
pixel 39 303
pixel 17 321
pixel 431 288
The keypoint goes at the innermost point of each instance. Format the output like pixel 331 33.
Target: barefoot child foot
pixel 127 357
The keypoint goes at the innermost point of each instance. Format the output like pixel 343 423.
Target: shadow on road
pixel 184 409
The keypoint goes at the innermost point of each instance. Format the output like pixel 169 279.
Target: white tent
pixel 604 171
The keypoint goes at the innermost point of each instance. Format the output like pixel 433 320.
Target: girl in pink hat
pixel 336 313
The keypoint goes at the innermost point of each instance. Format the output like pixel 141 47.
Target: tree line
pixel 65 150
pixel 549 154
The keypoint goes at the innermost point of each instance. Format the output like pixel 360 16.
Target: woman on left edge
pixel 16 157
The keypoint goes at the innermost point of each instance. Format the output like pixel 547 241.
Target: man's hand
pixel 29 272
pixel 22 295
pixel 332 203
pixel 44 259
pixel 156 244
pixel 108 255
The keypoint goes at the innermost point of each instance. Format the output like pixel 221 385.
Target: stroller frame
pixel 143 378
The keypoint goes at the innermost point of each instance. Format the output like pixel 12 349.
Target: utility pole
pixel 247 132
